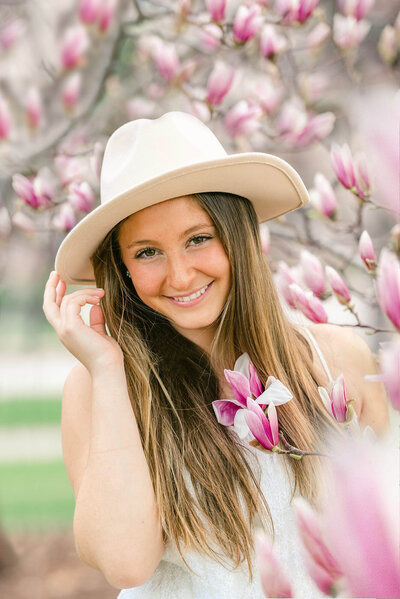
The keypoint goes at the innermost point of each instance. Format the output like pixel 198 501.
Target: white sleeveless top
pixel 173 580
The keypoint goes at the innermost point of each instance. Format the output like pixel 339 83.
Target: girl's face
pixel 177 263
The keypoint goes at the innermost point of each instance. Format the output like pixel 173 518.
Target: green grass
pixel 35 496
pixel 22 411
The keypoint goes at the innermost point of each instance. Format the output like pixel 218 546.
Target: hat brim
pixel 270 183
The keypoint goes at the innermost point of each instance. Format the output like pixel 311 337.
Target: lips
pixel 192 302
pixel 188 294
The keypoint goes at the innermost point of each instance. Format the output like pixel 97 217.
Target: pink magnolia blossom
pixel 89 11
pixel 318 35
pixel 219 82
pixel 74 46
pixel 247 22
pixel 351 171
pixel 388 47
pixel 107 12
pixel 216 8
pixel 246 384
pixel 5 118
pixel 312 86
pixel 265 239
pixel 71 90
pixel 299 128
pixel 24 222
pixel 317 127
pixel 309 305
pixel 367 252
pixel 363 182
pixel 11 33
pixel 356 8
pixel 81 196
pixel 37 192
pixel 166 60
pixel 361 516
pixel 66 218
pixel 45 186
pixel 389 286
pixel 343 165
pixel 68 168
pixel 274 581
pixel 338 285
pixel 389 363
pixel 348 32
pixel 243 118
pixel 33 108
pixel 312 272
pixel 335 399
pixel 268 93
pixel 323 197
pixel 284 279
pixel 210 36
pixel 271 43
pixel 319 561
pixel 253 419
pixel 295 11
pixel 23 187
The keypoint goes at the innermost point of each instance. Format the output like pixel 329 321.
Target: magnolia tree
pixel 274 76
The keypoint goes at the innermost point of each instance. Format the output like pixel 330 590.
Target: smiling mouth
pixel 192 296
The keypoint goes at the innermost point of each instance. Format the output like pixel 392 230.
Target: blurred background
pixel 62 93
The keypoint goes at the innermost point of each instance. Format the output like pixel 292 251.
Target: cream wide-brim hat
pixel 147 161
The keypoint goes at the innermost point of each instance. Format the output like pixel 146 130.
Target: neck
pixel 201 337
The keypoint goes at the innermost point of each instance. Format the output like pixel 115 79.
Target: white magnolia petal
pixel 242 364
pixel 240 425
pixel 276 392
pixel 323 393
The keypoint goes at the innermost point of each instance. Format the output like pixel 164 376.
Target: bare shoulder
pixel 347 353
pixel 75 423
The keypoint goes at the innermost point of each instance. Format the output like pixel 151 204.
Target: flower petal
pixel 240 424
pixel 273 422
pixel 324 395
pixel 256 386
pixel 242 364
pixel 225 410
pixel 256 427
pixel 239 384
pixel 274 391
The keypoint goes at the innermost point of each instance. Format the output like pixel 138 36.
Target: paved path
pixel 33 374
pixel 30 444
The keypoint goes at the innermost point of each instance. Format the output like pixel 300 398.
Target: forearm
pixel 116 523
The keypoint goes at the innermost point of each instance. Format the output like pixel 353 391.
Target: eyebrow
pixel 187 232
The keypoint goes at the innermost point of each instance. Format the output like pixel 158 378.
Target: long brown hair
pixel 208 495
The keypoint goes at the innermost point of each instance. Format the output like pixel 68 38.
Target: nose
pixel 180 273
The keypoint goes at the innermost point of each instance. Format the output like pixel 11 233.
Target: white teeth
pixel 191 297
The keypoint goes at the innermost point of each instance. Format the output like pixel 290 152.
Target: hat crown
pixel 146 148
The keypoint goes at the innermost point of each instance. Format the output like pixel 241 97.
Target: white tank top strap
pixel 319 352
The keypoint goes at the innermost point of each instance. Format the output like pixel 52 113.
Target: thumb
pixel 97 322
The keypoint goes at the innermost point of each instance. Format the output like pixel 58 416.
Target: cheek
pixel 146 281
pixel 217 261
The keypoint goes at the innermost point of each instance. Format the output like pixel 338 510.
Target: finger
pixel 50 308
pixel 60 291
pixel 72 309
pixel 96 319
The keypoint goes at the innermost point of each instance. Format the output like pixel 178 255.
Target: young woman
pixel 167 499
